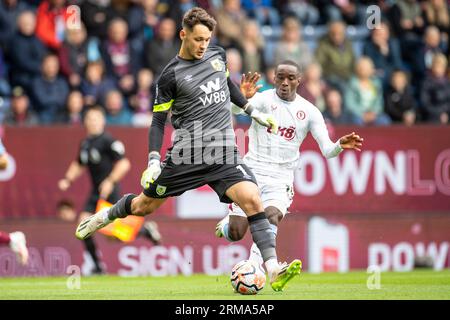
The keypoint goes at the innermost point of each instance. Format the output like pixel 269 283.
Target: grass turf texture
pixel 409 285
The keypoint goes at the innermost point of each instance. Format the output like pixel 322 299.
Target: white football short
pixel 275 192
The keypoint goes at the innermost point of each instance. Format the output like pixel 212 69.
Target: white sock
pixel 255 255
pixel 105 216
pixel 272 266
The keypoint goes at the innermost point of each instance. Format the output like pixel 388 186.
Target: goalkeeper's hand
pixel 265 119
pixel 151 173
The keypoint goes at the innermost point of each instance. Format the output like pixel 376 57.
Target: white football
pixel 247 277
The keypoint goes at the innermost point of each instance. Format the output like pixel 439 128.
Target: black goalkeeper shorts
pixel 175 179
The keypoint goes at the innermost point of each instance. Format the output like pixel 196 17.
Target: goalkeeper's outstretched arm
pixel 156 134
pixel 239 100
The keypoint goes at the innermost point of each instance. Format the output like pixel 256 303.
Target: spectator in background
pixel 121 61
pixel 20 113
pixel 352 12
pixel 29 51
pixel 49 90
pixel 96 84
pixel 72 114
pixel 268 79
pixel 164 47
pixel 5 88
pixel 117 113
pixel 177 9
pixel 305 11
pixel 96 15
pixel 335 55
pixel 407 24
pixel 422 58
pixel 263 11
pixel 152 18
pixel 335 111
pixel 436 13
pixel 251 48
pixel 142 101
pixel 51 20
pixel 230 20
pixel 400 104
pixel 9 12
pixel 234 64
pixel 364 95
pixel 435 94
pixel 384 51
pixel 313 88
pixel 291 46
pixel 131 12
pixel 73 55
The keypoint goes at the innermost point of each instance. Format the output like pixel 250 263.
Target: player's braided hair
pixel 198 16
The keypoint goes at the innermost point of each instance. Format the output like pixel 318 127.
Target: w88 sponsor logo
pixel 286 132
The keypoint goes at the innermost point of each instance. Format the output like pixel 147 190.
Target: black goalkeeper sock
pixel 122 208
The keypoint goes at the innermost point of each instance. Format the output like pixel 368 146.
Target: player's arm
pixel 238 99
pixel 249 89
pixel 164 98
pixel 119 170
pixel 249 86
pixel 329 149
pixel 73 172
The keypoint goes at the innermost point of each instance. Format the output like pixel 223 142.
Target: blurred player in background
pixel 273 158
pixel 196 88
pixel 104 156
pixel 3 157
pixel 15 240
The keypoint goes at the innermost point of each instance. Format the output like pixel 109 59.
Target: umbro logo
pixel 188 78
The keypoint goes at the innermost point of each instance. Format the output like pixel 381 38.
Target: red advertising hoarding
pixel 392 242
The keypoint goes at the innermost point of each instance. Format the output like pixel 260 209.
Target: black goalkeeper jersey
pixel 196 93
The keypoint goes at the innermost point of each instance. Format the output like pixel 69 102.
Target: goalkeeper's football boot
pixel 285 274
pixel 18 245
pixel 219 227
pixel 91 224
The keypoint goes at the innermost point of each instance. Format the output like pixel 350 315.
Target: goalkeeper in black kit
pixel 196 89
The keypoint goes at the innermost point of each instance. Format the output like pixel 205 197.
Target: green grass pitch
pixel 353 285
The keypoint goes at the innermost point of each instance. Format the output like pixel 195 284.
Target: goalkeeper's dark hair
pixel 198 16
pixel 289 63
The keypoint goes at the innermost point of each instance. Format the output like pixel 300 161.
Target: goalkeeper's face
pixel 195 42
pixel 287 80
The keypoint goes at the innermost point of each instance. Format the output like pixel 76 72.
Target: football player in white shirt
pixel 273 158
